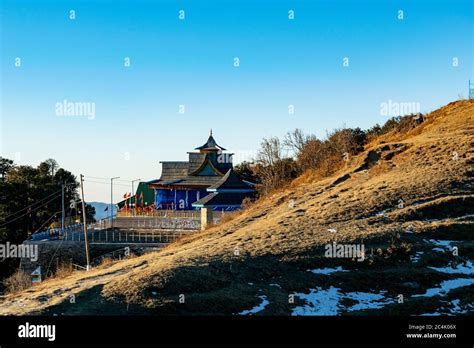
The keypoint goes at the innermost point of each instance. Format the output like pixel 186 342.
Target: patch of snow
pixel 415 258
pixel 459 269
pixel 447 286
pixel 430 314
pixel 441 243
pixel 438 249
pixel 327 302
pixel 319 302
pixel 368 300
pixel 258 308
pixel 382 213
pixel 456 308
pixel 250 283
pixel 277 285
pixel 468 216
pixel 327 270
pixel 154 293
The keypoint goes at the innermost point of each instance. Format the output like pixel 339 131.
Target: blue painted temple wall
pixel 178 199
pixel 182 199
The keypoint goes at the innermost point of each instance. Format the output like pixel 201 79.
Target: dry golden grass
pixel 17 282
pixel 64 269
pixel 106 262
pixel 307 177
pixel 230 216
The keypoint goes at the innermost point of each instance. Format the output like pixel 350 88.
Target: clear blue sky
pixel 300 62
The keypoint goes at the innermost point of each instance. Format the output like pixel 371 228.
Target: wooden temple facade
pixel 206 180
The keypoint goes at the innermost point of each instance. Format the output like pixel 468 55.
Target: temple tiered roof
pixel 229 191
pixel 210 145
pixel 203 169
pixel 205 180
pixel 231 182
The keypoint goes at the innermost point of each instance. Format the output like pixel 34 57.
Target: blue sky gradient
pixel 190 62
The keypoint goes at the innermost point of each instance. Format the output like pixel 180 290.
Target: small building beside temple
pixel 144 197
pixel 206 180
pixel 228 193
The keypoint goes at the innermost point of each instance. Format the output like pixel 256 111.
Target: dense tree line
pixel 30 201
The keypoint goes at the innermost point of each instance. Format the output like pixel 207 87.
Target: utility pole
pixel 62 209
pixel 112 200
pixel 86 240
pixel 134 195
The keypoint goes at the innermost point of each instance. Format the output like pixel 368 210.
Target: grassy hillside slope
pixel 408 198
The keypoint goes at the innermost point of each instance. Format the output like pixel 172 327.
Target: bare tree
pixel 271 152
pixel 311 155
pixel 272 168
pixel 296 141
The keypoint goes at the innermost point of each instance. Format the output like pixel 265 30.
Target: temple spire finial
pixel 210 144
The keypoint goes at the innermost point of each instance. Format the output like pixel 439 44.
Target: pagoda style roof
pixel 173 170
pixel 210 145
pixel 203 169
pixel 195 160
pixel 186 181
pixel 230 182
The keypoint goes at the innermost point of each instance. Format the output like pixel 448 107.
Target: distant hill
pixel 407 198
pixel 100 212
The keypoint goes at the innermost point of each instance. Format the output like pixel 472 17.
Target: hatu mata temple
pixel 206 180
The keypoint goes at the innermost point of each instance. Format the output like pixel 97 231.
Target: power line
pixel 31 205
pixel 6 217
pixel 106 183
pixel 52 257
pixel 30 211
pixel 54 254
pixel 54 215
pixel 45 198
pixel 96 177
pixel 108 179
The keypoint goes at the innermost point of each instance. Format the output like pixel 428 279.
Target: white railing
pixel 129 236
pixel 171 223
pixel 186 214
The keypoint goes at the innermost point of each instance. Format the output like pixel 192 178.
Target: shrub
pixel 106 261
pixel 311 154
pixel 18 281
pixel 399 124
pixel 247 202
pixel 272 170
pixel 326 157
pixel 64 269
pixel 246 172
